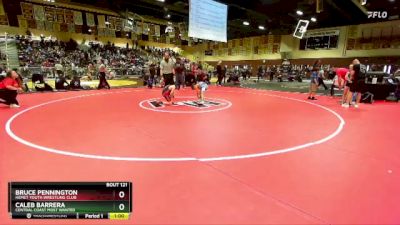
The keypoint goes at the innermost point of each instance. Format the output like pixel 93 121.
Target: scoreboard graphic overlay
pixel 70 200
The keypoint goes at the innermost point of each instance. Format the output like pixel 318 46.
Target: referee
pixel 167 69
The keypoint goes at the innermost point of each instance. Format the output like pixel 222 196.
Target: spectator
pixel 103 83
pixel 314 80
pixel 179 74
pixel 220 74
pixel 9 88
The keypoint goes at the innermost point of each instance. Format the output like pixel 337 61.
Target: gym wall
pixel 366 40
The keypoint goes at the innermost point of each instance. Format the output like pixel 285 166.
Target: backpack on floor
pixel 367 97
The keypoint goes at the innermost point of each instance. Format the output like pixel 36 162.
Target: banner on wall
pixel 322 33
pixel 101 19
pixel 145 28
pixel 183 28
pixel 78 20
pixel 39 14
pixel 2 13
pixel 111 22
pixel 69 16
pixel 157 31
pixel 118 23
pixel 90 20
pixel 3 20
pixel 59 17
pixel 27 10
pixel 49 13
pixel 138 28
pixel 270 39
pixel 152 30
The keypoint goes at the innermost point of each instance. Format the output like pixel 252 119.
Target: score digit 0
pixel 121 194
pixel 121 206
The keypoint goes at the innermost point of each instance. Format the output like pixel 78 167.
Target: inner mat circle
pixel 113 126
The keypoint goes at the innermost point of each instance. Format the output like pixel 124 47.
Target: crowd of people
pixel 159 68
pixel 48 56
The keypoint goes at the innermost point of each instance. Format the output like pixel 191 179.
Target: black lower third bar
pixel 96 216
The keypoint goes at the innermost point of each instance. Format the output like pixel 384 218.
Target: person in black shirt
pixel 61 83
pixel 179 74
pixel 260 73
pixel 75 83
pixel 272 73
pixel 220 74
pixel 357 83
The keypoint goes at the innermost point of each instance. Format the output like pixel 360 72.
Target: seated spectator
pixel 40 84
pixel 9 88
pixel 61 83
pixel 75 83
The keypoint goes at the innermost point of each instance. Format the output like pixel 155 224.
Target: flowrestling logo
pixel 377 15
pixel 186 105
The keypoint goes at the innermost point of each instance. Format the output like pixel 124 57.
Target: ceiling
pixel 277 16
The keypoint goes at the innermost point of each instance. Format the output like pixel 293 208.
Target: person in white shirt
pixel 167 69
pixel 59 69
pixel 321 77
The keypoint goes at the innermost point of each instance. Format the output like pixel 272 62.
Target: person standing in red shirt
pixel 9 88
pixel 341 75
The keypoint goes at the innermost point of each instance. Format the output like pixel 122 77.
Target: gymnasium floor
pixel 251 157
